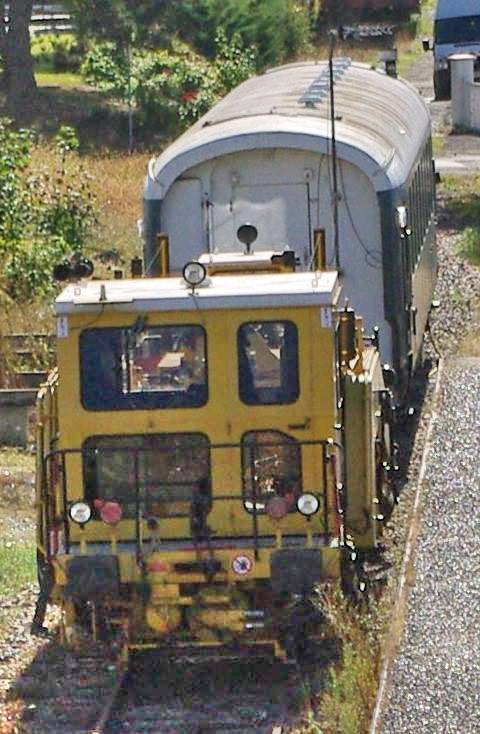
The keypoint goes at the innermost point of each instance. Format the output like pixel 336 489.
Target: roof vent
pixel 319 88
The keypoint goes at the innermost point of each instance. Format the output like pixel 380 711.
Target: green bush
pixel 169 88
pixel 42 218
pixel 53 52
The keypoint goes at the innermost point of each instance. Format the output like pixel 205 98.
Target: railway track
pixel 212 698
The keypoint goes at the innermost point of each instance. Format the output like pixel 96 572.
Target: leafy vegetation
pixel 279 29
pixel 169 86
pixel 42 217
pixel 122 21
pixel 52 52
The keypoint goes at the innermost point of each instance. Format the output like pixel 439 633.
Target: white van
pixel 456 30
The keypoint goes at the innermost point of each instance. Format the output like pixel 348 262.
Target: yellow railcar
pixel 211 449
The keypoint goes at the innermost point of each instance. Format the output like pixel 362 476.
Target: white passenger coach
pixel 263 156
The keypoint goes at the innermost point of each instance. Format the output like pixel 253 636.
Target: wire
pixel 375 255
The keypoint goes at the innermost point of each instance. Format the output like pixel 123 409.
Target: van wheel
pixel 441 84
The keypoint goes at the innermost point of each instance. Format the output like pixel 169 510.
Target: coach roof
pixel 381 122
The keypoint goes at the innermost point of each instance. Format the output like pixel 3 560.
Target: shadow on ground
pixel 60 689
pixel 99 124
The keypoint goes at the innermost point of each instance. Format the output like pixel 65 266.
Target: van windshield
pixel 458 30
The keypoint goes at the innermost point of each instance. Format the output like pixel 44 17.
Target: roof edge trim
pixel 158 186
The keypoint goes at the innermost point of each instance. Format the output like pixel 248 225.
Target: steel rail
pixel 102 721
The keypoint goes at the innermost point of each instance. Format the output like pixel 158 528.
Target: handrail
pixel 60 455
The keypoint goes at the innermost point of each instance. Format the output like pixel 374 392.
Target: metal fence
pixel 47 18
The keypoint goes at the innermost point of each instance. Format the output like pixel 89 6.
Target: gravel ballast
pixel 436 677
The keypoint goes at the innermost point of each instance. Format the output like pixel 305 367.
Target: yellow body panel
pixel 224 418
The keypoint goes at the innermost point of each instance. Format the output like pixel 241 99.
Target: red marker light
pixel 277 507
pixel 110 512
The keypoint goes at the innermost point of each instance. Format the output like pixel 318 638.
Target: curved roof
pixel 381 122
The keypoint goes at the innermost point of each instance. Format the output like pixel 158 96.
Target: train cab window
pixel 268 362
pixel 157 367
pixel 271 466
pixel 166 470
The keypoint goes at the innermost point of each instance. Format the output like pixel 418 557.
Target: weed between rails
pixel 346 695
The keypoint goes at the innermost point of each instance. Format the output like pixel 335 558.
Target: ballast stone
pixel 436 677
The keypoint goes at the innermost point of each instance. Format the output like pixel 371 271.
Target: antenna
pixel 336 246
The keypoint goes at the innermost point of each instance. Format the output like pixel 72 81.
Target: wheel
pixel 441 84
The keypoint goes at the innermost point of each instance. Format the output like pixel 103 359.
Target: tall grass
pixel 65 79
pixel 469 245
pixel 116 180
pixel 461 200
pixel 348 700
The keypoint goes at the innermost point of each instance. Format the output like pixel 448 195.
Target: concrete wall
pixel 465 93
pixel 15 407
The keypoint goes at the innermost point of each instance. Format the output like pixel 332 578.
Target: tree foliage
pixel 166 86
pixel 42 218
pixel 278 29
pixel 122 21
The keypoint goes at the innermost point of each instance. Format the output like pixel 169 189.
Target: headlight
pixel 80 512
pixel 442 64
pixel 194 273
pixel 308 504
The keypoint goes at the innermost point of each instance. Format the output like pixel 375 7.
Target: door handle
pixel 300 426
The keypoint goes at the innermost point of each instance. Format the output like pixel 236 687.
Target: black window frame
pixel 245 392
pixel 151 400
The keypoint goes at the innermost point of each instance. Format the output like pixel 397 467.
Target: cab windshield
pixel 154 367
pixel 458 30
pixel 162 472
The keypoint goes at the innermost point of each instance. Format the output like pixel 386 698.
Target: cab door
pixel 273 412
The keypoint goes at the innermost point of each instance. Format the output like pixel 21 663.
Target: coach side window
pixel 268 362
